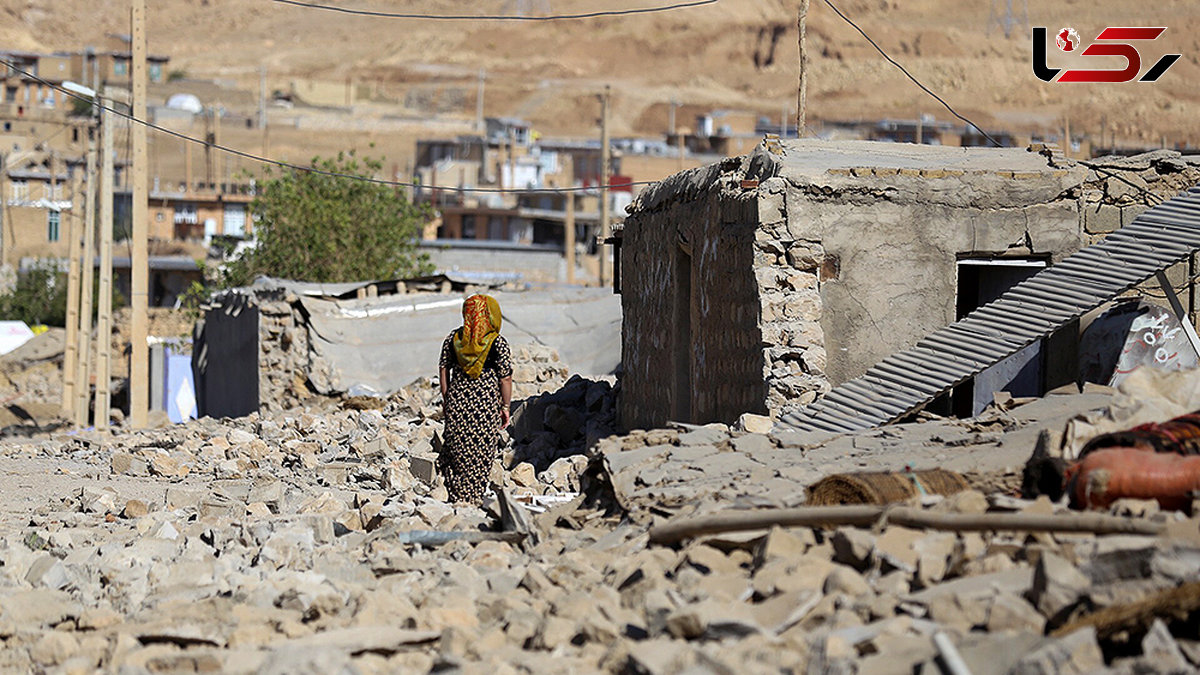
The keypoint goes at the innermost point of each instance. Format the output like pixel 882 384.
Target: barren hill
pixel 732 54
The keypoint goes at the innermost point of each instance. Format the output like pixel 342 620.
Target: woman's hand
pixel 504 417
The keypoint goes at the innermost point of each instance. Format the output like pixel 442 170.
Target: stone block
pixel 1101 218
pixel 1129 213
pixel 1075 654
pixel 125 464
pixel 755 424
pixel 1057 584
pixel 424 468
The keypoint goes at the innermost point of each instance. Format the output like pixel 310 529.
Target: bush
pixel 316 227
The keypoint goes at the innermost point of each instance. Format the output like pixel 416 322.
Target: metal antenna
pixel 1009 20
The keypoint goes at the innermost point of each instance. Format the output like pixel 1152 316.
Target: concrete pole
pixel 104 309
pixel 71 345
pixel 87 274
pixel 920 129
pixel 139 376
pixel 218 158
pixel 605 162
pixel 187 166
pixel 569 237
pixel 802 86
pixel 479 102
pixel 671 117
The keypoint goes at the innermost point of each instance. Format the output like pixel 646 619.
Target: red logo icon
pixel 1112 41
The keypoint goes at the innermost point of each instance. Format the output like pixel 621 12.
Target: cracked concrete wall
pixel 690 332
pixel 896 240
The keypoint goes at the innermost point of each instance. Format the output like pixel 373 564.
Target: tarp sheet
pixel 385 343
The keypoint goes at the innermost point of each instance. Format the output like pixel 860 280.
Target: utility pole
pixel 87 273
pixel 479 102
pixel 569 237
pixel 802 88
pixel 605 162
pixel 71 344
pixel 218 159
pixel 104 308
pixel 139 377
pixel 920 129
pixel 671 117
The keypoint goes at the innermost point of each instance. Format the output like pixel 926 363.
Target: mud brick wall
pixel 691 341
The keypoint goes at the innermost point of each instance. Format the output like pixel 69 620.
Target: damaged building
pixel 758 283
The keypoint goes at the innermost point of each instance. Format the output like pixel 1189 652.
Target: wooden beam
pixel 86 275
pixel 71 346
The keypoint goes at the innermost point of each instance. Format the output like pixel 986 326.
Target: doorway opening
pixel 980 281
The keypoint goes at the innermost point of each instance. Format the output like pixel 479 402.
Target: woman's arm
pixel 505 400
pixel 444 381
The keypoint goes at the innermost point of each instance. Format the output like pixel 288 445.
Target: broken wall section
pixel 691 334
pixel 1113 195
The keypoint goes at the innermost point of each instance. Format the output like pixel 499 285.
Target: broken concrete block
pixel 135 508
pixel 852 546
pixel 788 544
pixel 123 463
pixel 755 424
pixel 1075 654
pixel 53 648
pixel 523 475
pixel 424 468
pixel 1010 612
pixel 48 572
pixel 1057 585
pixel 1101 218
pixel 713 620
pixel 847 581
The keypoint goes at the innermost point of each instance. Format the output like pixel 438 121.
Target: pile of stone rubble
pixel 319 541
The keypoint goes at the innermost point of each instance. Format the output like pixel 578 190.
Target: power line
pixel 498 17
pixel 1150 195
pixel 909 75
pixel 311 169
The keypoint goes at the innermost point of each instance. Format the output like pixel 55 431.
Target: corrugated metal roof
pixel 904 382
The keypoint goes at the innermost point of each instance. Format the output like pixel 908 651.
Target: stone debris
pixel 318 541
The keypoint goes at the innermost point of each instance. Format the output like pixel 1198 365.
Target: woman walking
pixel 475 374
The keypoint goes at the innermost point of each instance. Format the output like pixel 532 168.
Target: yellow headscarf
pixel 481 327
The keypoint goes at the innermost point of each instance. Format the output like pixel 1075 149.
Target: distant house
pixel 37 201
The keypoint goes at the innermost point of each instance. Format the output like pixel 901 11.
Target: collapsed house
pixel 759 283
pixel 275 343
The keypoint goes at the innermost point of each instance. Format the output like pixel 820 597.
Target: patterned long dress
pixel 471 436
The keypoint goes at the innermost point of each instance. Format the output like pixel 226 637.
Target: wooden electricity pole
pixel 569 237
pixel 802 88
pixel 104 302
pixel 139 269
pixel 605 167
pixel 86 275
pixel 71 346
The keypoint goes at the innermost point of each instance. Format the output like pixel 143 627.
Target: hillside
pixel 734 54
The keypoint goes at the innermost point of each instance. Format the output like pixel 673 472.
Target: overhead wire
pixel 1154 198
pixel 312 169
pixel 499 17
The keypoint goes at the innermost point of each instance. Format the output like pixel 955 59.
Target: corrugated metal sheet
pixel 1034 308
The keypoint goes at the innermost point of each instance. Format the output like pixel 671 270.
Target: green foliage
pixel 177 75
pixel 40 296
pixel 315 227
pixel 81 107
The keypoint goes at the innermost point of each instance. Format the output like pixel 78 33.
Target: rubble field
pixel 319 541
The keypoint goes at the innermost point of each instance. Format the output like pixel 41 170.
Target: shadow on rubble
pixel 562 423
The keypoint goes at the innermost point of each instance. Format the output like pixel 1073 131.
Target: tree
pixel 316 227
